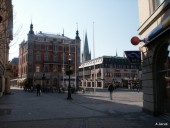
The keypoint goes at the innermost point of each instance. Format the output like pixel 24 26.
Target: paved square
pixel 89 110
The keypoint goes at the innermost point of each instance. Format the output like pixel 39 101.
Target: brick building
pixel 43 59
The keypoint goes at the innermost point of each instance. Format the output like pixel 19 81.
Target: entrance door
pixel 164 78
pixel 165 83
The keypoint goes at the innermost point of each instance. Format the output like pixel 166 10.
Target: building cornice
pixel 154 17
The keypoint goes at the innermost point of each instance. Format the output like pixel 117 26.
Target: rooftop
pixel 52 35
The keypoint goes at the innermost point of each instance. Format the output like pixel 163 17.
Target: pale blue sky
pixel 115 22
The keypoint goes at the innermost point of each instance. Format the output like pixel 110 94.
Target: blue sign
pixel 133 56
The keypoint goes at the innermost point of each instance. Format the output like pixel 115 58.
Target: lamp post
pixel 69 72
pixel 77 45
pixel 33 81
pixel 43 78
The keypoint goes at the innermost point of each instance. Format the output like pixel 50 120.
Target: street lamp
pixel 33 81
pixel 69 72
pixel 43 78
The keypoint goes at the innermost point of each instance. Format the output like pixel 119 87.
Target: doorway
pixel 162 85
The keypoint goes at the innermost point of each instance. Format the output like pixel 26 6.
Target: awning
pixel 159 30
pixel 21 79
pixel 14 80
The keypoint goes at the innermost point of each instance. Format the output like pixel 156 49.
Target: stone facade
pixel 154 31
pixel 6 35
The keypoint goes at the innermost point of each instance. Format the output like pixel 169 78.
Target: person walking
pixel 110 89
pixel 38 86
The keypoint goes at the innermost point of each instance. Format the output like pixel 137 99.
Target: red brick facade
pixel 44 54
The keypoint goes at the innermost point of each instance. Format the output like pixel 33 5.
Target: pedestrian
pixel 110 89
pixel 38 86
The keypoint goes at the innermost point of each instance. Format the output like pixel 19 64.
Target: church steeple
pixel 31 29
pixel 77 33
pixel 86 54
pixel 116 53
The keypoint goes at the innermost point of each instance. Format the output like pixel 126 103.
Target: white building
pixel 104 70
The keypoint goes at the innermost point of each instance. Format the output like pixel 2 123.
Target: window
pixel 30 57
pixel 46 57
pixel 41 46
pixel 54 68
pixel 26 57
pixel 55 58
pixel 46 68
pixel 46 47
pixel 64 58
pixel 45 39
pixel 37 46
pixel 55 47
pixel 38 57
pixel 36 38
pixel 157 3
pixel 37 68
pixel 72 49
pixel 78 60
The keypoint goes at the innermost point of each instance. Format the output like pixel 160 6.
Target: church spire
pixel 31 29
pixel 63 32
pixel 77 33
pixel 86 54
pixel 116 53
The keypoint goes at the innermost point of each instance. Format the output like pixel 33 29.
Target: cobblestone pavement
pixel 90 110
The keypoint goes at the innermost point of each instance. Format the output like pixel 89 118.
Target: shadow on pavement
pixel 87 109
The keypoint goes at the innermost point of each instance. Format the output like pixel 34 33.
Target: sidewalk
pixel 52 110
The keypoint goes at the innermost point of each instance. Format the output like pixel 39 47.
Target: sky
pixel 114 22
